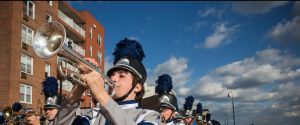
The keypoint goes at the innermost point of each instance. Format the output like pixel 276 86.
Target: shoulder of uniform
pixel 149 116
pixel 150 112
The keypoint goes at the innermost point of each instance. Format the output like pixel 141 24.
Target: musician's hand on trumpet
pixel 95 82
pixel 32 120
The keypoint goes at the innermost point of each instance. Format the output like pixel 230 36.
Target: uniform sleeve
pixel 66 113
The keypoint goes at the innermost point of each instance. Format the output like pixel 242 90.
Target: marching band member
pixel 52 103
pixel 188 115
pixel 168 109
pixel 168 101
pixel 178 119
pixel 11 120
pixel 198 115
pixel 129 75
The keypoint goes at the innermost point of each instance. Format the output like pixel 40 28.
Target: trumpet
pixel 49 41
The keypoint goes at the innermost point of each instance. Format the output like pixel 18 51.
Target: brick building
pixel 21 71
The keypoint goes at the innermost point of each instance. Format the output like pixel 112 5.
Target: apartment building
pixel 21 71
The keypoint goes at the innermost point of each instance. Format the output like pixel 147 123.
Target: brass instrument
pixel 49 40
pixel 198 119
pixel 7 113
pixel 18 118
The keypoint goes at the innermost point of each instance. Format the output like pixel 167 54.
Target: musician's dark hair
pixel 136 80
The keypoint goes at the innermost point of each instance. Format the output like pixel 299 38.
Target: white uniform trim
pixel 170 123
pixel 129 106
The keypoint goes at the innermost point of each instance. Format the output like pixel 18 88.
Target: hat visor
pixel 126 67
pixel 167 105
pixel 188 116
pixel 51 106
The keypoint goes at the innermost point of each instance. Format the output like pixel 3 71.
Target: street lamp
pixel 226 118
pixel 232 106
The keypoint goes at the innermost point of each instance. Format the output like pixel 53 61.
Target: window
pixel 29 8
pixel 27 35
pixel 88 92
pixel 49 2
pixel 99 56
pixel 47 70
pixel 91 32
pixel 91 50
pixel 26 64
pixel 48 18
pixel 91 104
pixel 25 93
pixel 99 39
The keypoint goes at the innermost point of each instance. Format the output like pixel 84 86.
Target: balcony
pixel 71 23
pixel 78 49
pixel 75 47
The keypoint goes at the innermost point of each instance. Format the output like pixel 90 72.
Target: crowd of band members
pixel 129 75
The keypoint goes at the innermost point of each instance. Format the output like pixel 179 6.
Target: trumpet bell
pixel 7 113
pixel 49 39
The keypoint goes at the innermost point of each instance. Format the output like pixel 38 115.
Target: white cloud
pixel 287 32
pixel 206 12
pixel 214 40
pixel 269 55
pixel 292 114
pixel 256 7
pixel 214 89
pixel 183 91
pixel 274 56
pixel 249 76
pixel 266 66
pixel 211 12
pixel 221 35
pixel 272 88
pixel 254 95
pixel 196 26
pixel 261 74
pixel 177 68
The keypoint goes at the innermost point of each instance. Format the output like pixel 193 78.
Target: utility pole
pixel 232 107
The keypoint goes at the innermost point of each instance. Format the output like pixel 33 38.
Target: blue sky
pixel 211 48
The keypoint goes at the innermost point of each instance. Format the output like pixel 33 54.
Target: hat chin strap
pixel 170 117
pixel 126 95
